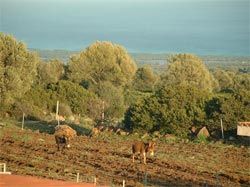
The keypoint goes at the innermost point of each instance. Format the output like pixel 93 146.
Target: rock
pixel 145 135
pixel 157 134
pixel 121 132
pixel 94 132
pixel 41 140
pixel 170 137
pixel 203 132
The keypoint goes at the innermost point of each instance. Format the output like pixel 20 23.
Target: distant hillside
pixel 64 55
pixel 158 61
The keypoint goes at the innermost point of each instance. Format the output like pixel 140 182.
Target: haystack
pixel 203 132
pixel 65 130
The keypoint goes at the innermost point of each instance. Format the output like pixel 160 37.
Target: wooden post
pixel 217 179
pixel 23 121
pixel 57 108
pixel 145 178
pixel 102 112
pixel 95 181
pixel 77 177
pixel 222 131
pixel 123 183
pixel 4 168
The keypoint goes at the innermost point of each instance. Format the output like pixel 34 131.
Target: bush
pixel 74 95
pixel 64 110
pixel 230 107
pixel 171 110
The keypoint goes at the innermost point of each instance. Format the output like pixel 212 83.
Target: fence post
pixel 95 181
pixel 77 177
pixel 123 183
pixel 145 178
pixel 57 110
pixel 3 169
pixel 222 129
pixel 217 179
pixel 23 120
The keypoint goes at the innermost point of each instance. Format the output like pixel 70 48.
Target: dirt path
pixel 25 181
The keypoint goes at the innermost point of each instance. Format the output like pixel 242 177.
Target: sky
pixel 157 26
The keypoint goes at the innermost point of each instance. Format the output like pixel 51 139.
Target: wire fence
pixel 142 180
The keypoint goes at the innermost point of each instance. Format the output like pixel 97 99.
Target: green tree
pixel 144 79
pixel 77 97
pixel 225 79
pixel 241 81
pixel 230 107
pixel 141 116
pixel 101 62
pixel 187 69
pixel 170 110
pixel 113 98
pixel 50 72
pixel 17 70
pixel 35 103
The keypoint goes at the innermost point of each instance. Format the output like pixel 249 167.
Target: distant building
pixel 243 129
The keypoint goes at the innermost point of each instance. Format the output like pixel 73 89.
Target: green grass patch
pixel 201 139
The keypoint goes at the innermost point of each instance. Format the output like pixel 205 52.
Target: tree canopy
pixel 144 79
pixel 188 94
pixel 101 62
pixel 187 69
pixel 17 69
pixel 171 110
pixel 50 72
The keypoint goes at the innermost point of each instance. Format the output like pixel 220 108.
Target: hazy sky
pixel 139 25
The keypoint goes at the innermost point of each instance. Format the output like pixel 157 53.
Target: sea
pixel 202 27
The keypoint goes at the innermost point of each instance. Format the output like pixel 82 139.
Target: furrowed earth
pixel 108 158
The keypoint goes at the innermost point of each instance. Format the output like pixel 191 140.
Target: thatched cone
pixel 203 132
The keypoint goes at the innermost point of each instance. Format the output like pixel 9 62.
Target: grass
pixel 37 159
pixel 21 137
pixel 52 174
pixel 201 139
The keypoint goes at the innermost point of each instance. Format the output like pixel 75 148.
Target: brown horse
pixel 143 149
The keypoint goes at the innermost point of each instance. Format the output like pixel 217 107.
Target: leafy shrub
pixel 171 110
pixel 230 107
pixel 78 98
pixel 64 110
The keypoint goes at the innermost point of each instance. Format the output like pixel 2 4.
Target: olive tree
pixel 50 72
pixel 144 79
pixel 188 69
pixel 17 70
pixel 100 62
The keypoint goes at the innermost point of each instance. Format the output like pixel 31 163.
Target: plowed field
pixel 108 158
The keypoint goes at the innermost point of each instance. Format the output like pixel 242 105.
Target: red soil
pixel 26 181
